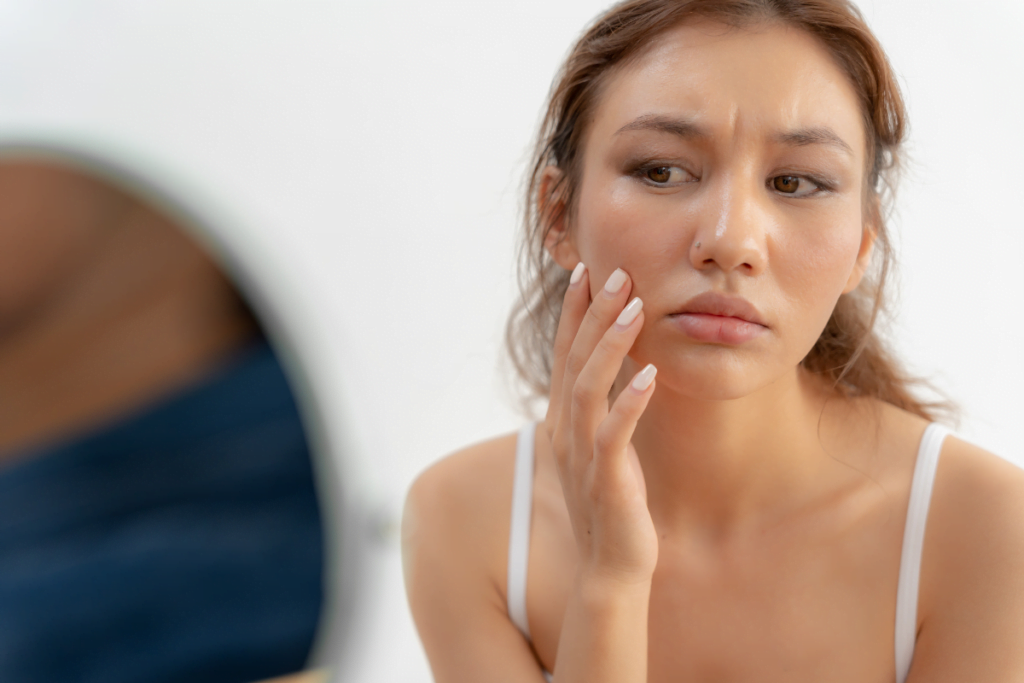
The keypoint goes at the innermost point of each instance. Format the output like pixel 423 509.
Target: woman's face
pixel 726 164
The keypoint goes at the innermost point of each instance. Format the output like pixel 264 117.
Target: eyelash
pixel 822 185
pixel 642 171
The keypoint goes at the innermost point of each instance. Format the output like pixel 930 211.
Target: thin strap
pixel 913 541
pixel 519 529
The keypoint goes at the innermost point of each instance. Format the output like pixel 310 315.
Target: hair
pixel 850 353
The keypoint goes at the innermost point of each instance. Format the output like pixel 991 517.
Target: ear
pixel 551 209
pixel 867 244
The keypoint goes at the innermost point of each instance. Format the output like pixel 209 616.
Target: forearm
pixel 604 633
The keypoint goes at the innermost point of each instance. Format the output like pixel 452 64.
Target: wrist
pixel 598 586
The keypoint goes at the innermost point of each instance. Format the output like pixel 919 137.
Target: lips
pixel 713 303
pixel 719 319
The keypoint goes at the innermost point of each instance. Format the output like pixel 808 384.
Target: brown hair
pixel 850 352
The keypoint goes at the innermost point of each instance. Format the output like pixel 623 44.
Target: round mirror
pixel 164 515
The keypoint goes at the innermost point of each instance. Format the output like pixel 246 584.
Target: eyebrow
pixel 683 128
pixel 689 130
pixel 821 135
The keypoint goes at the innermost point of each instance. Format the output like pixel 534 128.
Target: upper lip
pixel 715 303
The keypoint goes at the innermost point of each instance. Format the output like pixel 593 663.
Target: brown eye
pixel 786 183
pixel 796 186
pixel 661 174
pixel 665 175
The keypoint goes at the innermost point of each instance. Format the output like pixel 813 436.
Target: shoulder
pixel 977 503
pixel 972 573
pixel 455 528
pixel 976 517
pixel 470 480
pixel 457 512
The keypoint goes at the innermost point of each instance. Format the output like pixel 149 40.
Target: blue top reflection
pixel 182 543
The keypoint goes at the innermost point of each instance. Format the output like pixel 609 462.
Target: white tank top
pixel 910 558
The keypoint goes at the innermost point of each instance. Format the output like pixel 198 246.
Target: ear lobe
pixel 551 210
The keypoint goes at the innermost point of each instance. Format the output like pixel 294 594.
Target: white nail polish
pixel 615 282
pixel 644 378
pixel 577 273
pixel 629 313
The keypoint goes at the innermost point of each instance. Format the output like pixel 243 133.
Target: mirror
pixel 160 517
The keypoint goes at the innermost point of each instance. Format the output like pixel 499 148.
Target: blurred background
pixel 353 169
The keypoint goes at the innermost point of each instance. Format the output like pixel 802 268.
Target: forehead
pixel 734 82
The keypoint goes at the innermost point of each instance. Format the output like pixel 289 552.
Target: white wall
pixel 369 155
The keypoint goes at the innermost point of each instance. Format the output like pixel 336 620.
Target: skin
pixel 105 305
pixel 735 520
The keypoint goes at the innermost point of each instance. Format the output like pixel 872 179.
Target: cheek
pixel 618 227
pixel 812 263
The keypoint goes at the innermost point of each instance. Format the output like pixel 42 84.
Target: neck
pixel 716 466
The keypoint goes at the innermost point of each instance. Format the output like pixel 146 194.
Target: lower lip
pixel 717 329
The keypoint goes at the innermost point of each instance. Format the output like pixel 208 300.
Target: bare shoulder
pixel 977 503
pixel 455 529
pixel 468 488
pixel 972 574
pixel 977 510
pixel 457 511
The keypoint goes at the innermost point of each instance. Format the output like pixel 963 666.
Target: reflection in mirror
pixel 158 515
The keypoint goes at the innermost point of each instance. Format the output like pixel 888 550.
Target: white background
pixel 367 158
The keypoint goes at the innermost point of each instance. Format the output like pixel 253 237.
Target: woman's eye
pixel 794 185
pixel 665 175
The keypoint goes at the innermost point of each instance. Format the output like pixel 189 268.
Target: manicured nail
pixel 577 273
pixel 629 313
pixel 615 282
pixel 644 378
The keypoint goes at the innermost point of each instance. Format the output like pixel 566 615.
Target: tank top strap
pixel 519 528
pixel 913 542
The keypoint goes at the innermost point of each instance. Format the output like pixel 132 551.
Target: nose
pixel 732 229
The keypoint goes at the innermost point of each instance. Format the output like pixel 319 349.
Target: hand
pixel 598 467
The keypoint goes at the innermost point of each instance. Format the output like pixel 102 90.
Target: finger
pixel 611 440
pixel 594 383
pixel 600 315
pixel 574 308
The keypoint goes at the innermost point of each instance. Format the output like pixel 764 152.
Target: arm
pixel 460 613
pixel 451 529
pixel 459 608
pixel 972 580
pixel 604 634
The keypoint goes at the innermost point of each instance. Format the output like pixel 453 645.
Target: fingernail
pixel 644 378
pixel 629 313
pixel 577 273
pixel 615 282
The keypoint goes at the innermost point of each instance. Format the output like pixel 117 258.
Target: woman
pixel 707 203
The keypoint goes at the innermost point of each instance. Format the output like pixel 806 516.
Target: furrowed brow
pixel 682 128
pixel 687 129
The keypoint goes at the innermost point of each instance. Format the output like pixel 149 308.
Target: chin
pixel 714 373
